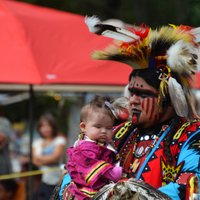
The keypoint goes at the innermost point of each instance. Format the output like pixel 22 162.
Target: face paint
pixel 143 102
pixel 135 118
pixel 149 105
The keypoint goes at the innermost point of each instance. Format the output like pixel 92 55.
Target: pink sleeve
pixel 114 174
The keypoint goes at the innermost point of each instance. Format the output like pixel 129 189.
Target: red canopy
pixel 41 46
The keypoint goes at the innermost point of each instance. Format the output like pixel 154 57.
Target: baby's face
pixel 98 127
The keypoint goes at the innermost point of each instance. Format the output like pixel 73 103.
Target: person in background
pixel 160 145
pixel 19 147
pixel 92 160
pixel 6 133
pixel 47 154
pixel 8 189
pixel 11 189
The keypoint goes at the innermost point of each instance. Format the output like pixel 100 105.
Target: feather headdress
pixel 168 49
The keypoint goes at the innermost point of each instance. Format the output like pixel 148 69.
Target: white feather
pixel 117 36
pixel 92 22
pixel 178 98
pixel 196 33
pixel 198 59
pixel 180 57
pixel 112 31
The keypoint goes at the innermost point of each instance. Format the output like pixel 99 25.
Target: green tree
pixel 151 12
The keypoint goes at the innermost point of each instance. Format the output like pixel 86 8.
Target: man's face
pixel 143 102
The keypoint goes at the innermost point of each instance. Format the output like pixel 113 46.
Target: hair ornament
pixel 110 107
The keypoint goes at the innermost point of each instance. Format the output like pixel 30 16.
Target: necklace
pixel 146 143
pixel 143 144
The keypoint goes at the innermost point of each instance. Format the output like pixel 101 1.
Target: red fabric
pixel 195 83
pixel 41 45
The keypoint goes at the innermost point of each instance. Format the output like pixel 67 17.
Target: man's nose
pixel 135 99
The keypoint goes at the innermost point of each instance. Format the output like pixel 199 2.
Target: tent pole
pixel 31 99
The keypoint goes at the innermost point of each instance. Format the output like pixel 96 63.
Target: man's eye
pixel 145 96
pixel 142 95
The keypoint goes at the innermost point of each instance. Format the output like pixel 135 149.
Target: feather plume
pixel 182 58
pixel 196 33
pixel 178 98
pixel 92 22
pixel 96 26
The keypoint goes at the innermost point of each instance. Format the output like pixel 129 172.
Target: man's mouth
pixel 135 115
pixel 136 111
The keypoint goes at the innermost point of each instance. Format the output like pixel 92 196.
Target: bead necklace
pixel 142 150
pixel 139 152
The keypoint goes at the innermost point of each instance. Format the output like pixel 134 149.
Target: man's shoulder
pixel 193 125
pixel 187 129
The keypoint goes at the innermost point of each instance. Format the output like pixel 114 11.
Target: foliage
pixel 151 12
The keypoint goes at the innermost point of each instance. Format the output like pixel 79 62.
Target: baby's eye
pixel 97 126
pixel 109 128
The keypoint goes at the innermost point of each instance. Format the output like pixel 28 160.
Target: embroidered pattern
pixel 170 172
pixel 96 171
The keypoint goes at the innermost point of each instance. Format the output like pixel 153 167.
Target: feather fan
pixel 129 189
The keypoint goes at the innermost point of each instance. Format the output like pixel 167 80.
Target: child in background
pixel 92 161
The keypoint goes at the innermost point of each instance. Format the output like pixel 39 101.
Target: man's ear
pixel 82 127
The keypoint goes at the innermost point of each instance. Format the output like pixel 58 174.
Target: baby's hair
pixel 98 103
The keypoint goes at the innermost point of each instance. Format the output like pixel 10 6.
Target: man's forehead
pixel 140 84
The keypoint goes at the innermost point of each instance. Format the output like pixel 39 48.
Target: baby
pixel 92 161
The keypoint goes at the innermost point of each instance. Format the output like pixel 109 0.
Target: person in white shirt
pixel 48 151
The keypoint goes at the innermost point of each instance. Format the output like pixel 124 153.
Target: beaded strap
pixel 152 152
